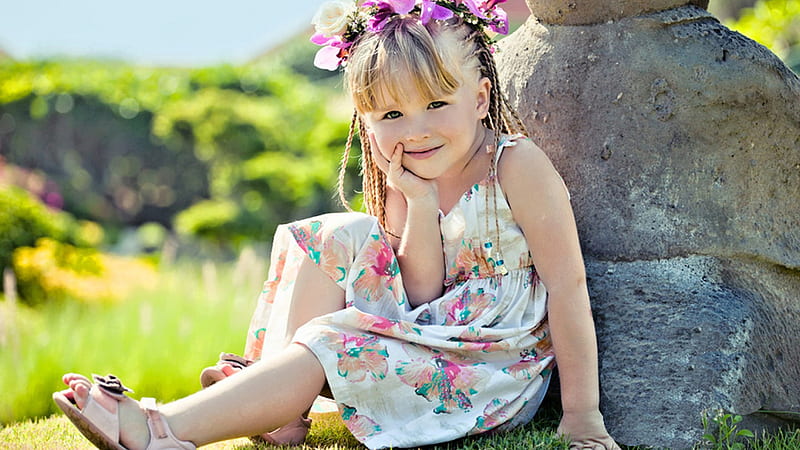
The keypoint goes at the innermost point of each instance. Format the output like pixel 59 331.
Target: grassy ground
pixel 327 433
pixel 157 342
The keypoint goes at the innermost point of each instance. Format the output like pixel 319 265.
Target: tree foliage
pixel 221 152
pixel 776 25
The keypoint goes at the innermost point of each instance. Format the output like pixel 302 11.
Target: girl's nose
pixel 418 131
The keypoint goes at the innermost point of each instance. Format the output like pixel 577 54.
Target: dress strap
pixel 507 140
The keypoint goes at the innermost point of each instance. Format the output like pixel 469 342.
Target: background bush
pixel 776 24
pixel 234 150
pixel 53 271
pixel 24 219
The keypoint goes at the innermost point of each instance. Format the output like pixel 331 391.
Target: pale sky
pixel 150 32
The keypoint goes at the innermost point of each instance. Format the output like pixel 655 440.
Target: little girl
pixel 437 315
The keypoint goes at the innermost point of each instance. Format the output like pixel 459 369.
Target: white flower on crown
pixel 333 17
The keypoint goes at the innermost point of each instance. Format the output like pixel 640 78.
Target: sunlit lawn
pixel 157 342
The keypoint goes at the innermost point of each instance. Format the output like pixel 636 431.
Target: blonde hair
pixel 434 59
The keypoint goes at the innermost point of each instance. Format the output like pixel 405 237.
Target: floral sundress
pixel 475 359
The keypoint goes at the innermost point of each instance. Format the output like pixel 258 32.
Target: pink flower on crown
pixel 334 52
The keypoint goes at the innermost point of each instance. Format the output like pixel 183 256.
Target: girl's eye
pixel 436 105
pixel 392 115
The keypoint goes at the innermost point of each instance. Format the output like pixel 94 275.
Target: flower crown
pixel 338 23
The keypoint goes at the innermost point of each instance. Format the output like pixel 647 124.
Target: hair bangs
pixel 407 56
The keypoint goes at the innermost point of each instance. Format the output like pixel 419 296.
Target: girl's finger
pixel 396 162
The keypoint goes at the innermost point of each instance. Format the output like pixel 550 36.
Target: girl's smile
pixel 421 154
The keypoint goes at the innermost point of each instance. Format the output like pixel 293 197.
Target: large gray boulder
pixel 680 142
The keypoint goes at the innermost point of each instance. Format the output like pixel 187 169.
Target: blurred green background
pixel 137 204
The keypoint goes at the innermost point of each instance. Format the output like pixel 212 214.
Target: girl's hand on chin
pixel 413 188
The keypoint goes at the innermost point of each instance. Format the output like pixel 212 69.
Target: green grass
pixel 327 432
pixel 158 341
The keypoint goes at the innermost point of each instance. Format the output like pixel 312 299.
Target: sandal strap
pixel 234 360
pixel 161 436
pixel 106 421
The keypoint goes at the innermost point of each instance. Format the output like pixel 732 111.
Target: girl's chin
pixel 421 174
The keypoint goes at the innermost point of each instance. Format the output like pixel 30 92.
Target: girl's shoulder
pixel 519 154
pixel 524 167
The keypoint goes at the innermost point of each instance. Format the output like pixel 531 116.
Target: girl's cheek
pixel 385 142
pixel 386 148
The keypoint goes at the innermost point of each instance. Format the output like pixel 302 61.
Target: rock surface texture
pixel 680 142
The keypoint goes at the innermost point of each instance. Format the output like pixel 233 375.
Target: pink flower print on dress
pixel 469 264
pixel 361 426
pixel 334 258
pixel 438 379
pixel 388 327
pixel 532 359
pixel 483 339
pixel 271 285
pixel 255 344
pixel 462 309
pixel 544 345
pixel 307 236
pixel 473 190
pixel 494 414
pixel 360 355
pixel 529 366
pixel 326 251
pixel 380 271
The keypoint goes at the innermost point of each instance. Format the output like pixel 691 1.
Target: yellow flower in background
pixel 56 271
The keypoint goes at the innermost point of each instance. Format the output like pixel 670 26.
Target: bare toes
pixel 227 369
pixel 69 377
pixel 80 391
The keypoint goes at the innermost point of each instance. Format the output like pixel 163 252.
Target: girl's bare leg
pixel 264 396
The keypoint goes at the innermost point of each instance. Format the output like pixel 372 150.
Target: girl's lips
pixel 422 154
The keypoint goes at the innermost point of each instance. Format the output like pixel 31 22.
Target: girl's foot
pixel 110 419
pixel 293 433
pixel 227 365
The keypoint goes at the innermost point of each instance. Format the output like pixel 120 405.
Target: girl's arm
pixel 419 249
pixel 540 205
pixel 412 205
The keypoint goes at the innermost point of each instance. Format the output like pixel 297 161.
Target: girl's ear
pixel 484 96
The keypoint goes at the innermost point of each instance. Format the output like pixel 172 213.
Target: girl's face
pixel 438 136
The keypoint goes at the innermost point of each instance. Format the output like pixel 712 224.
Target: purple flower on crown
pixel 487 11
pixel 384 10
pixel 338 23
pixel 430 10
